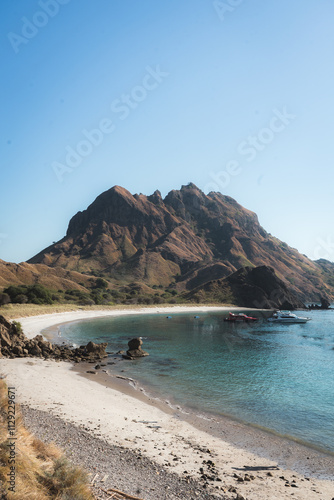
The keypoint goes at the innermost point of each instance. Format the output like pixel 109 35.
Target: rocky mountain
pixel 184 240
pixel 256 287
pixel 326 271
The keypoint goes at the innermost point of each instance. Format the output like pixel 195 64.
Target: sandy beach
pixel 112 410
pixel 33 325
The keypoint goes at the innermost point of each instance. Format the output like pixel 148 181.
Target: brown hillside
pixel 54 278
pixel 256 287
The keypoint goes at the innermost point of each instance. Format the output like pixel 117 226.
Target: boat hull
pixel 288 320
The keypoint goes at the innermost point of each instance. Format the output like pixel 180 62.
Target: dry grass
pixel 12 311
pixel 41 471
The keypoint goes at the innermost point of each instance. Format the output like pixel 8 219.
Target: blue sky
pixel 235 96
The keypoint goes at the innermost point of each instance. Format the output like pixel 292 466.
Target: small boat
pixel 287 317
pixel 239 317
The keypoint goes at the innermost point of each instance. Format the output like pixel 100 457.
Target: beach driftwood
pixel 118 495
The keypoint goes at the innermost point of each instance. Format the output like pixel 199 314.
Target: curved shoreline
pixel 37 324
pixel 154 394
pixel 33 325
pixel 122 415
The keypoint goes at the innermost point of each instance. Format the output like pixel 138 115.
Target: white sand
pixel 127 421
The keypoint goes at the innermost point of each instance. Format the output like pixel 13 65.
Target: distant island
pixel 186 247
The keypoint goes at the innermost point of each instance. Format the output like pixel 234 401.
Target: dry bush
pixel 41 470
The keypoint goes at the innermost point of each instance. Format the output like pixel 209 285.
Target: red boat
pixel 239 317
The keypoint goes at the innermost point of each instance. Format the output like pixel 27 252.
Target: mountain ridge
pixel 183 240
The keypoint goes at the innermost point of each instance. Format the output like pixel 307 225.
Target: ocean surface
pixel 278 377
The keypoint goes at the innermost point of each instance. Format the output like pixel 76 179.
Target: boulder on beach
pixel 98 350
pixel 14 344
pixel 135 350
pixel 10 333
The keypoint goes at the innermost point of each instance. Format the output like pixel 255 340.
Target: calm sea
pixel 279 377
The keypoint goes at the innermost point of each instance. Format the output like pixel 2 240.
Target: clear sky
pixel 233 95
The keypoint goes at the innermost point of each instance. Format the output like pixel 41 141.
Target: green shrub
pixel 4 299
pixel 101 283
pixel 18 326
pixel 21 299
pixel 37 294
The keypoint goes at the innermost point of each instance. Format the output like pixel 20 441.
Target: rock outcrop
pixel 10 334
pixel 135 350
pixel 96 350
pixel 14 344
pixel 324 304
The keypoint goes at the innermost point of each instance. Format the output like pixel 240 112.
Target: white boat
pixel 287 317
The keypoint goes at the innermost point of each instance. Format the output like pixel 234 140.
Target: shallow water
pixel 279 377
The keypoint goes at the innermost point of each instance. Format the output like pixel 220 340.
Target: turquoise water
pixel 279 377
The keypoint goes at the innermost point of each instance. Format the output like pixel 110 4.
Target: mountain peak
pixel 156 198
pixel 190 185
pixel 119 191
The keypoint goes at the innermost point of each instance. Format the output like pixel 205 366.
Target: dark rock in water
pixel 135 344
pixel 135 350
pixel 325 304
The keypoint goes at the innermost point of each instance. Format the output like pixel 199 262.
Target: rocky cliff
pixel 256 287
